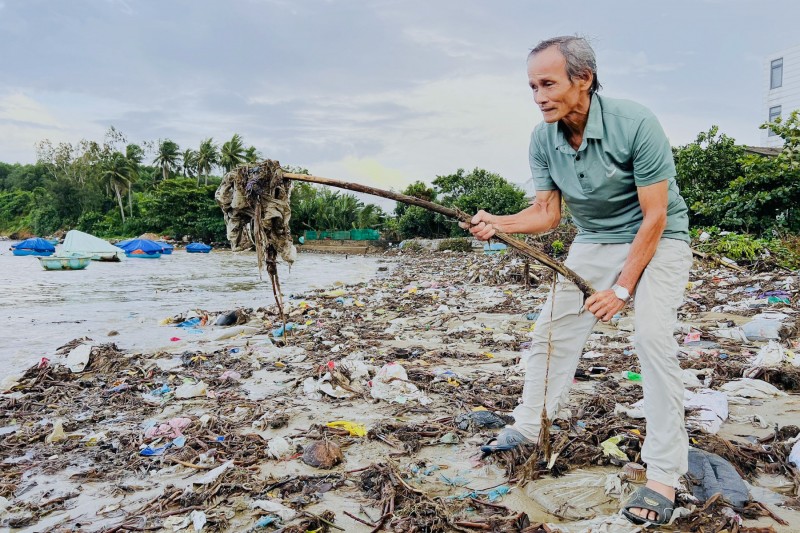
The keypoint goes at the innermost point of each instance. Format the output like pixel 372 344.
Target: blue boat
pixel 68 262
pixel 198 248
pixel 166 248
pixel 141 249
pixel 35 246
pixel 139 254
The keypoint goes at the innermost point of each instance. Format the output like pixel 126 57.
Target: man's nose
pixel 539 97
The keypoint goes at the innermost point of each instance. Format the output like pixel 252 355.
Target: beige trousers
pixel 656 300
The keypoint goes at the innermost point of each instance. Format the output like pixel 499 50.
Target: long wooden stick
pixel 521 246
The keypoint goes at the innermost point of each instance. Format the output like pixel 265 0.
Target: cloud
pixel 455 47
pixel 460 122
pixel 391 91
pixel 637 63
pixel 19 108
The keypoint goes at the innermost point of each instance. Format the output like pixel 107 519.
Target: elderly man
pixel 612 164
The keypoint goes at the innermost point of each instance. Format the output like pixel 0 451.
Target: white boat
pixel 82 244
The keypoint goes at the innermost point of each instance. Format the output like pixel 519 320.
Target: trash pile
pixel 364 407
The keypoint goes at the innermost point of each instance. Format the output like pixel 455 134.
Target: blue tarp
pixel 166 248
pixel 145 245
pixel 37 244
pixel 198 247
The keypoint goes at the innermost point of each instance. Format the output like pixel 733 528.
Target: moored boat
pixel 198 248
pixel 78 243
pixel 166 248
pixel 65 262
pixel 141 249
pixel 35 246
pixel 140 254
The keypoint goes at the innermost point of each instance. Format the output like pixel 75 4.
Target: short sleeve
pixel 540 170
pixel 652 154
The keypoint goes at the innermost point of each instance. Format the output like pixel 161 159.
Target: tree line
pixel 115 188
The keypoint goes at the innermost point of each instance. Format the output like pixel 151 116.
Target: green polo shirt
pixel 623 147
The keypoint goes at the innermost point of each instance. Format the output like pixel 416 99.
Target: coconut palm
pixel 134 154
pixel 251 156
pixel 117 175
pixel 167 156
pixel 232 154
pixel 370 216
pixel 207 157
pixel 189 165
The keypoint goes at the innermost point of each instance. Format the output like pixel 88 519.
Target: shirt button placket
pixel 580 170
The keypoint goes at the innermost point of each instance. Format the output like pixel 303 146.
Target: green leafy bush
pixel 412 246
pixel 748 249
pixel 456 245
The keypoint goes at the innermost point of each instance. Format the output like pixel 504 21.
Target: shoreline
pixel 269 398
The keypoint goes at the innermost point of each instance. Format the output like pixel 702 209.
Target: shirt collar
pixel 594 124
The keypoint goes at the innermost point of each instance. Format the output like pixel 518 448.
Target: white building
pixel 781 80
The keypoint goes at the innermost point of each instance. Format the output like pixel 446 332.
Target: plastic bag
pixel 191 390
pixel 355 430
pixel 391 384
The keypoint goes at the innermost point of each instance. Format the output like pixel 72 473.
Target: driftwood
pixel 521 246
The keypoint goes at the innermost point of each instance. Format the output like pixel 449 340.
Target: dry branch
pixel 521 246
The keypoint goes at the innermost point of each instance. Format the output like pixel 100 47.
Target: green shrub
pixel 783 252
pixel 557 246
pixel 412 246
pixel 456 245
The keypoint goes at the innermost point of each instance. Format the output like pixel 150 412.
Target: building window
pixel 774 112
pixel 776 73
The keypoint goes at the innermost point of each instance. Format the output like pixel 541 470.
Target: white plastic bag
pixel 391 384
pixel 711 409
pixel 279 447
pixel 191 390
pixel 794 455
pixel 78 358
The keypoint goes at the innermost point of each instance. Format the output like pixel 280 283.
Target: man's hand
pixel 483 225
pixel 604 304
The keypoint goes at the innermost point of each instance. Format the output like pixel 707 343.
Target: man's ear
pixel 585 80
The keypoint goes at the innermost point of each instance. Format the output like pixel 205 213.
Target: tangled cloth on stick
pixel 255 204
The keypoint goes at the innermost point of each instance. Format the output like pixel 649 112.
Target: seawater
pixel 42 310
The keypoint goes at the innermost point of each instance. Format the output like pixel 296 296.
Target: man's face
pixel 553 91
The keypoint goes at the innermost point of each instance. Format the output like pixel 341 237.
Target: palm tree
pixel 117 175
pixel 167 156
pixel 207 157
pixel 189 158
pixel 135 155
pixel 369 217
pixel 251 156
pixel 232 154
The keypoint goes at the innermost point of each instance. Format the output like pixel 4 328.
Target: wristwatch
pixel 621 292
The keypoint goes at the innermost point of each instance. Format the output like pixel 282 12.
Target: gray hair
pixel 578 54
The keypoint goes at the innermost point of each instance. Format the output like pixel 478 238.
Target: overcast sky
pixel 384 92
